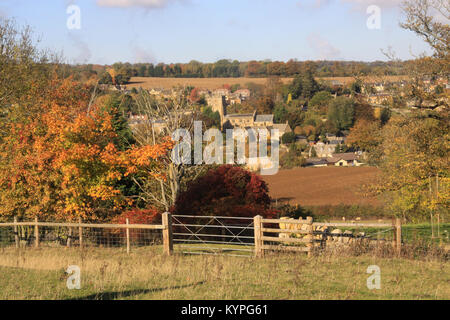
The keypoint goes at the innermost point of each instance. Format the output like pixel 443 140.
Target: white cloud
pixel 135 3
pixel 322 48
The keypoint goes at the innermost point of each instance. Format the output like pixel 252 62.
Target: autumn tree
pixel 415 176
pixel 365 135
pixel 63 162
pixel 24 69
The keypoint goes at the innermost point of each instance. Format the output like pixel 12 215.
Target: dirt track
pixel 321 186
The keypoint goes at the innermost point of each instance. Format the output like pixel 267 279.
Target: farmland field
pixel 322 186
pixel 207 83
pixel 214 83
pixel 147 274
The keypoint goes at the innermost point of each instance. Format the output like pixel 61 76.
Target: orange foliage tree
pixel 61 163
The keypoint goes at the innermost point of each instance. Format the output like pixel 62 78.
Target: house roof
pixel 316 161
pixel 349 156
pixel 264 118
pixel 242 91
pixel 239 115
pixel 281 126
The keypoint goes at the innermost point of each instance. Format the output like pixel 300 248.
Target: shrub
pixel 138 216
pixel 226 191
pixel 288 137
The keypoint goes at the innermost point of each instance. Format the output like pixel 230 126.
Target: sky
pixel 173 31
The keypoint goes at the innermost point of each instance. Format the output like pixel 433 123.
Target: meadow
pixel 146 273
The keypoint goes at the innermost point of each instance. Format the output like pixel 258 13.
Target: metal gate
pixel 213 235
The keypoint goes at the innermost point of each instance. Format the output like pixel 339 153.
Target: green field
pixel 147 274
pixel 411 233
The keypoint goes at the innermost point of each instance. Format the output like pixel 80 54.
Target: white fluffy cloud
pixel 135 3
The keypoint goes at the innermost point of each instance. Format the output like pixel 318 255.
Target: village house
pixel 222 92
pixel 264 120
pixel 282 128
pixel 379 87
pixel 316 162
pixel 234 100
pixel 380 99
pixel 135 121
pixel 334 139
pixel 324 150
pixel 348 159
pixel 245 120
pixel 242 94
pixel 338 159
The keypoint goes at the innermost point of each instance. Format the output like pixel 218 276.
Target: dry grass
pixel 214 83
pixel 322 186
pixel 206 83
pixel 147 274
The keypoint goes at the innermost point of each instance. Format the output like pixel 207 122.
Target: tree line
pixel 235 69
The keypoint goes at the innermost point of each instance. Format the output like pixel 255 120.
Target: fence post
pixel 257 227
pixel 167 233
pixel 16 233
pixel 36 232
pixel 69 238
pixel 398 236
pixel 128 237
pixel 80 232
pixel 310 244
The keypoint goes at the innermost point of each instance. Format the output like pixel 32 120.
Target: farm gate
pixel 213 235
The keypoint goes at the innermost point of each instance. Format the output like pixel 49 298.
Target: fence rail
pixel 308 229
pixel 195 234
pixel 213 235
pixel 261 239
pixel 77 231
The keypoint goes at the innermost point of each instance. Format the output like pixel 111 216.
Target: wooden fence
pixel 309 240
pixel 262 227
pixel 166 228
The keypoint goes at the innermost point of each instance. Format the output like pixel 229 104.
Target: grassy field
pixel 147 274
pixel 214 83
pixel 322 186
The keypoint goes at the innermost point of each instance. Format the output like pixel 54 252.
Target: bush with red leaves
pixel 226 191
pixel 138 216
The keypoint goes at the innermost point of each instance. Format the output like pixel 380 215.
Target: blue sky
pixel 209 30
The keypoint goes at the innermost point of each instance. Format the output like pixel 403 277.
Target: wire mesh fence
pixel 51 234
pixel 190 234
